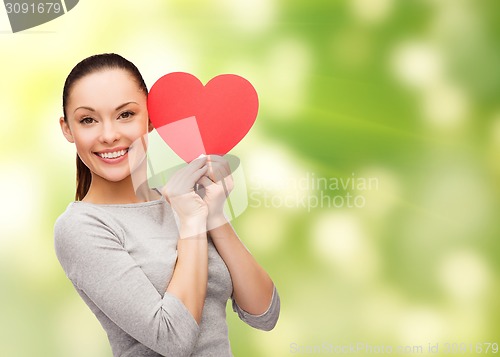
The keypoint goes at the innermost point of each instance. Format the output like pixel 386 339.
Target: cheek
pixel 138 134
pixel 144 123
pixel 137 129
pixel 83 141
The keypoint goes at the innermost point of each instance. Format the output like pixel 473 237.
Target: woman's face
pixel 107 119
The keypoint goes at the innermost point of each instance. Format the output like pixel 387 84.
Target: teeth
pixel 112 155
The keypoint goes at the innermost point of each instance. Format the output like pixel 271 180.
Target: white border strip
pixel 64 6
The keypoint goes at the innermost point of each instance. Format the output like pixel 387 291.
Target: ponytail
pixel 83 179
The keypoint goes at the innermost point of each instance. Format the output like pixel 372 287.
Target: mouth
pixel 112 155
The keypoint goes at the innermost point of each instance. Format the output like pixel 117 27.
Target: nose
pixel 109 133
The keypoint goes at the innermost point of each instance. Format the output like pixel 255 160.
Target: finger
pixel 223 163
pixel 216 171
pixel 223 167
pixel 221 173
pixel 184 171
pixel 188 178
pixel 219 159
pixel 226 189
pixel 210 172
pixel 214 157
pixel 196 164
pixel 195 176
pixel 205 181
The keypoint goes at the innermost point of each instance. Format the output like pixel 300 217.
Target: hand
pixel 217 185
pixel 190 208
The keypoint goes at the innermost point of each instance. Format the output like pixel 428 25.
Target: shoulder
pixel 82 217
pixel 81 227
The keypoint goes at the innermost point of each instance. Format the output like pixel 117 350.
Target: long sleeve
pixel 265 321
pixel 94 258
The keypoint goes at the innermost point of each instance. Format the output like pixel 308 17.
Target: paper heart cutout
pixel 194 119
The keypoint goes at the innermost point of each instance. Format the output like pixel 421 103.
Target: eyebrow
pixel 117 108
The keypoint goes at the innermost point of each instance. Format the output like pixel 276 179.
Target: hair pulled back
pixel 89 65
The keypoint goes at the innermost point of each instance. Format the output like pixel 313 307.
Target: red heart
pixel 194 119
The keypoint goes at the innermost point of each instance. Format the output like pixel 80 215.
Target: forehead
pixel 105 88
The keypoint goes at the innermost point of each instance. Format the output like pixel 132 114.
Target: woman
pixel 155 266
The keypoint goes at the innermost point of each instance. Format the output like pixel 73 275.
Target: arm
pixel 92 253
pixel 254 295
pixel 93 256
pixel 189 280
pixel 252 286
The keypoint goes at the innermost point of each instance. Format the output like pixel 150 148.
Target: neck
pixel 132 189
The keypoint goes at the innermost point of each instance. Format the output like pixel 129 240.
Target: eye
pixel 126 115
pixel 87 120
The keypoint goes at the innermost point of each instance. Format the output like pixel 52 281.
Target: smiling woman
pixel 156 266
pixel 106 107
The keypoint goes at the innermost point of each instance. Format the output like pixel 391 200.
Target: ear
pixel 66 130
pixel 150 126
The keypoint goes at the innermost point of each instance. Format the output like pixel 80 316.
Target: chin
pixel 113 178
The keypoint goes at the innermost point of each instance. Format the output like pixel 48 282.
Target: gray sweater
pixel 120 259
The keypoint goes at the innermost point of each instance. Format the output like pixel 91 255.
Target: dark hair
pixel 88 66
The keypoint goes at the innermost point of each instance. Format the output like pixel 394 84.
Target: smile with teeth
pixel 112 155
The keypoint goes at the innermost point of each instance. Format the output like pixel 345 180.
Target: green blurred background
pixel 402 93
